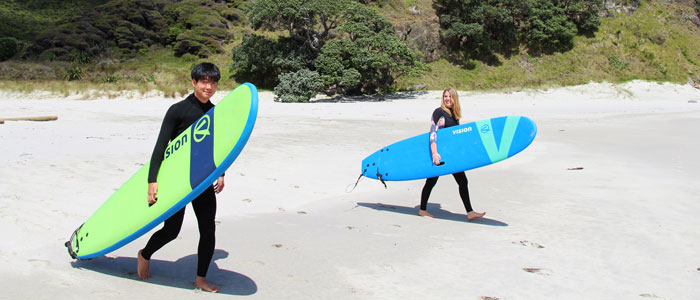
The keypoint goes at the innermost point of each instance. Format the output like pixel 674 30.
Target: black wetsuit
pixel 460 177
pixel 178 118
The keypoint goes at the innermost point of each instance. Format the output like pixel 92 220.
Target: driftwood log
pixel 43 118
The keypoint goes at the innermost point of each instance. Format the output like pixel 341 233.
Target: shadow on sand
pixel 435 209
pixel 179 274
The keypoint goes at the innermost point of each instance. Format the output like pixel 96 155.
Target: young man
pixel 205 78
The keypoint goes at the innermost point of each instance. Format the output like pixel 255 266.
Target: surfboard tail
pixel 73 241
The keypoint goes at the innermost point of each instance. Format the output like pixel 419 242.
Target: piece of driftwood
pixel 43 118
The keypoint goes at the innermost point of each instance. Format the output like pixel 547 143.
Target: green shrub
pixel 75 72
pixel 298 86
pixel 618 63
pixel 8 48
pixel 110 78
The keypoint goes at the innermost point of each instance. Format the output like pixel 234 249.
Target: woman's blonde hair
pixel 456 111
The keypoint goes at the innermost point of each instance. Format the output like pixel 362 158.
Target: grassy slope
pixel 625 48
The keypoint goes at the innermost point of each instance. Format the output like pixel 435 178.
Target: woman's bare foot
pixel 424 213
pixel 474 215
pixel 202 283
pixel 142 267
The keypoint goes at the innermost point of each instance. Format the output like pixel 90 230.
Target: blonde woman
pixel 447 115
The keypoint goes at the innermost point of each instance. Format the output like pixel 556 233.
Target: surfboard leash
pixel 353 188
pixel 358 181
pixel 69 243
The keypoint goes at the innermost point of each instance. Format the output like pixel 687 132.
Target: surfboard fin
pixel 381 179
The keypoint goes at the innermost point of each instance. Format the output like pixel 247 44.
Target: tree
pixel 260 60
pixel 547 28
pixel 368 58
pixel 476 28
pixel 585 14
pixel 479 29
pixel 310 21
pixel 352 47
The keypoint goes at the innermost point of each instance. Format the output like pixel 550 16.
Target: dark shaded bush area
pixel 8 48
pixel 260 60
pixel 26 19
pixel 197 27
pixel 200 27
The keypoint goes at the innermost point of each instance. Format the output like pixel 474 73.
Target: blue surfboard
pixel 461 148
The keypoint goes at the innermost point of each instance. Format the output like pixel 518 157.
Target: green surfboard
pixel 192 162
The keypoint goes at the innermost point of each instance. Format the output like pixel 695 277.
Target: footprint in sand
pixel 539 271
pixel 105 293
pixel 653 296
pixel 529 244
pixel 489 298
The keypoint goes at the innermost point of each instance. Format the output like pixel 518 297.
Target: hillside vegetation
pixel 656 43
pixel 147 45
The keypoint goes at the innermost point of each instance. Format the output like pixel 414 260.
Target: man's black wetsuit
pixel 178 118
pixel 460 177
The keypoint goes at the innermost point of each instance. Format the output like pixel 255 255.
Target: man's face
pixel 204 89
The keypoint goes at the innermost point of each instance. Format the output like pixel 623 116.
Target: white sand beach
pixel 605 203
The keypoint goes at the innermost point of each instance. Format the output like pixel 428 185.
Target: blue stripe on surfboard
pixel 202 153
pixel 498 126
pixel 227 162
pixel 522 140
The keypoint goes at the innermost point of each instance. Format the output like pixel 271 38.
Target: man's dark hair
pixel 206 70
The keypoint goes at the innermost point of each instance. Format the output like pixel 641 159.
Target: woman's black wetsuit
pixel 460 177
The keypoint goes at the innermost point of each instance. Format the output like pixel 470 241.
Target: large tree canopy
pixel 311 21
pixel 478 29
pixel 368 58
pixel 350 46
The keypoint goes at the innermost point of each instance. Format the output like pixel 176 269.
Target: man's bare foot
pixel 424 213
pixel 474 215
pixel 202 283
pixel 142 268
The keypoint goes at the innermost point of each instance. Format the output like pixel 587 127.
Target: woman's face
pixel 447 99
